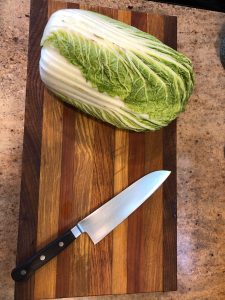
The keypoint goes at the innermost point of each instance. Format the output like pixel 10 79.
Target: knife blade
pixel 98 224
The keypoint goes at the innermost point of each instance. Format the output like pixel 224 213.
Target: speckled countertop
pixel 201 139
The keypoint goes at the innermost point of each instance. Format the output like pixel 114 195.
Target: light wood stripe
pixel 119 267
pixel 155 26
pixel 49 192
pixel 119 259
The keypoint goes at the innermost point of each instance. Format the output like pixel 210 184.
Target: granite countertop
pixel 200 142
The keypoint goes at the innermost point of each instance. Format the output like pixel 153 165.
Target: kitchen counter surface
pixel 200 142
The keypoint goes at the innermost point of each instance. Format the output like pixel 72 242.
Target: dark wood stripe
pixel 152 234
pixel 170 186
pixel 31 148
pixel 144 245
pixel 72 5
pixel 102 191
pixel 67 214
pixel 170 29
pixel 136 169
pixel 110 12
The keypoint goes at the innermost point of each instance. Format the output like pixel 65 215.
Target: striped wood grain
pixel 83 163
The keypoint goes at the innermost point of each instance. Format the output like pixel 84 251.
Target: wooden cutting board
pixel 72 164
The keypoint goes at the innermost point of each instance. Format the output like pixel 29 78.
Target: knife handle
pixel 24 270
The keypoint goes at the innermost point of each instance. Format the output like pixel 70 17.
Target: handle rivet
pixel 42 257
pixel 23 272
pixel 61 244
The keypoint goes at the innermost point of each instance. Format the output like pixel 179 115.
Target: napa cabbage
pixel 114 71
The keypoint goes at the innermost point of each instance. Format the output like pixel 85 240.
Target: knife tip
pixel 165 174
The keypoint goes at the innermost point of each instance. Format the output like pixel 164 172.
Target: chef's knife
pixel 98 224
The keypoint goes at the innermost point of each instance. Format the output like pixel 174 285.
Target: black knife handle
pixel 24 270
